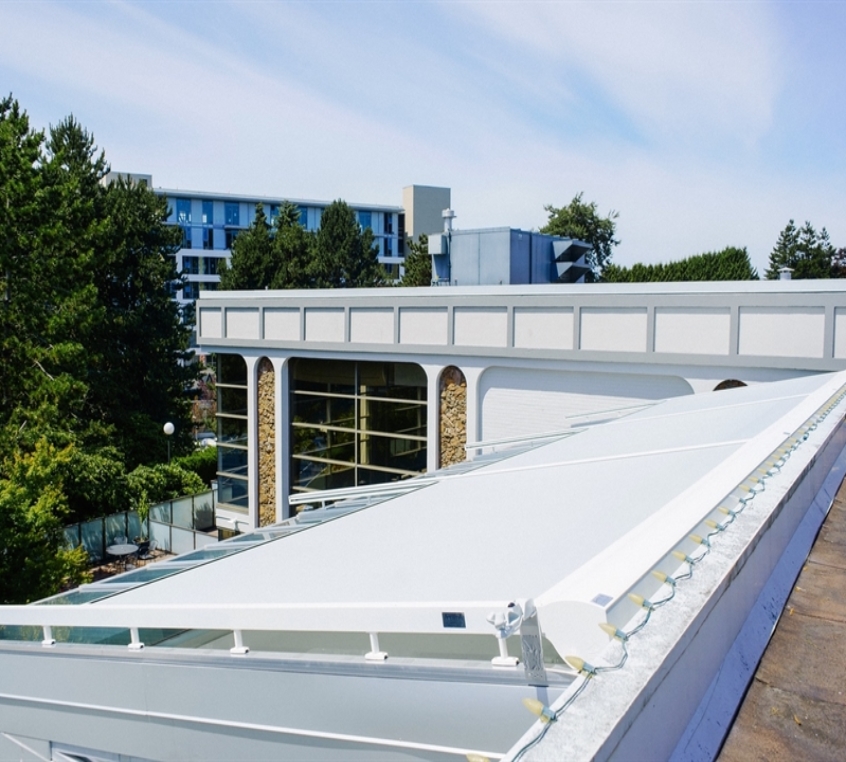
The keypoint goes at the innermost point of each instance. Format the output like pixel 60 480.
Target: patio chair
pixel 148 554
pixel 120 540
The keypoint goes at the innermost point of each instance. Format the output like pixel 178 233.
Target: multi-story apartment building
pixel 211 221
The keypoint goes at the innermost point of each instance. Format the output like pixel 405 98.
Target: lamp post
pixel 168 429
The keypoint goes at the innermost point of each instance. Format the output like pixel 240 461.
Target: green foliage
pixel 252 265
pixel 94 350
pixel 141 343
pixel 33 560
pixel 203 462
pixel 731 263
pixel 269 256
pixel 418 264
pixel 344 255
pixel 808 253
pixel 580 220
pixel 164 481
pixel 284 255
pixel 95 483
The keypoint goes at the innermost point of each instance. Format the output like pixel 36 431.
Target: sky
pixel 704 124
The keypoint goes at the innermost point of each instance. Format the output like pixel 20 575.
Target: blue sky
pixel 705 124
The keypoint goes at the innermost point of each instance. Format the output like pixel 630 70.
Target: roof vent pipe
pixel 448 216
pixel 785 273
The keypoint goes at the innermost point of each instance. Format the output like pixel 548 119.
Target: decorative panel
pixel 782 331
pixel 324 324
pixel 480 326
pixel 693 330
pixel 613 329
pixel 282 324
pixel 423 325
pixel 242 323
pixel 543 328
pixel 211 323
pixel 372 325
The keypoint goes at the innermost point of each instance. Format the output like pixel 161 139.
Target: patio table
pixel 122 551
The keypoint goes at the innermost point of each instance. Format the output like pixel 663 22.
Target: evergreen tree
pixel 251 266
pixel 265 256
pixel 580 220
pixel 838 264
pixel 344 255
pixel 141 344
pixel 291 250
pixel 418 264
pixel 808 253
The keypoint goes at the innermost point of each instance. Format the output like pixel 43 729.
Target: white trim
pixel 277 729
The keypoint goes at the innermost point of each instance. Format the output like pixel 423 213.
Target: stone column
pixel 266 442
pixel 453 423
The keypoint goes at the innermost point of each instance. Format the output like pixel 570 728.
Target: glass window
pixel 232 213
pixel 183 211
pixel 231 460
pixel 191 265
pixel 304 216
pixel 273 213
pixel 208 238
pixel 210 265
pixel 231 369
pixel 186 238
pixel 189 290
pixel 389 222
pixel 356 422
pixel 389 247
pixel 232 400
pixel 231 430
pixel 365 219
pixel 233 491
pixel 231 235
pixel 232 451
pixel 205 286
pixel 208 212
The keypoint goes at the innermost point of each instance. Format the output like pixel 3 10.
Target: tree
pixel 33 560
pixel 251 266
pixel 141 366
pixel 731 263
pixel 418 264
pixel 291 250
pixel 344 255
pixel 269 256
pixel 94 350
pixel 808 253
pixel 580 220
pixel 838 264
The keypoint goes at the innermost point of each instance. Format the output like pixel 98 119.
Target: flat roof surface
pixel 512 529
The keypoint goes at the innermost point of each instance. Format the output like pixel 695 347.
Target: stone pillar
pixel 453 423
pixel 266 442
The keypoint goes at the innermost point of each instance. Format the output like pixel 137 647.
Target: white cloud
pixel 683 69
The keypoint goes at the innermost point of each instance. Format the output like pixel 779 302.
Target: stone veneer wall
pixel 453 418
pixel 266 442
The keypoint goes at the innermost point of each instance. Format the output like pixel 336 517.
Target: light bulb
pixel 539 709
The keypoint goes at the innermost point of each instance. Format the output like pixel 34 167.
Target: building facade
pixel 211 221
pixel 337 389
